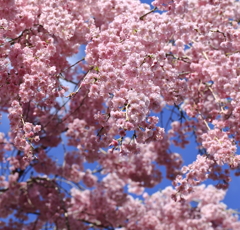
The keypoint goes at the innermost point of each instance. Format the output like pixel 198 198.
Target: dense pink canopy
pixel 108 108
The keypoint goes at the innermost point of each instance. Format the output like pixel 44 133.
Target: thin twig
pixel 73 65
pixel 142 17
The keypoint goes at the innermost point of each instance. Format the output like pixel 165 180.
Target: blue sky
pixel 189 155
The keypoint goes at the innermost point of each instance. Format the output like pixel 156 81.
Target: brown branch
pixel 218 31
pixel 73 65
pixel 60 76
pixel 96 224
pixel 143 16
pixel 80 85
pixel 84 98
pixel 12 41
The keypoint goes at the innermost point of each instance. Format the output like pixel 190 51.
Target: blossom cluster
pixel 148 81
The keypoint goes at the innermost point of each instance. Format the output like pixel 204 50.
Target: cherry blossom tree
pixel 148 81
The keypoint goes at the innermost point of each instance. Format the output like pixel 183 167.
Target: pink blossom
pixel 84 134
